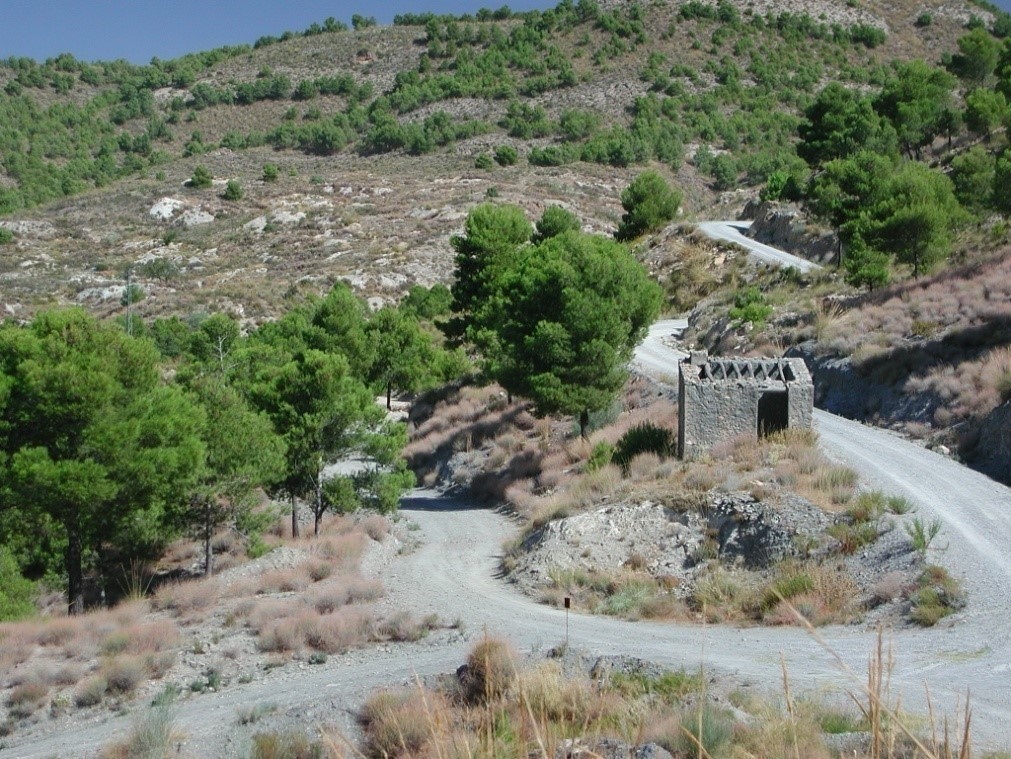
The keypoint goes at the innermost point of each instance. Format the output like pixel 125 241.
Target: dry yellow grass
pixel 545 713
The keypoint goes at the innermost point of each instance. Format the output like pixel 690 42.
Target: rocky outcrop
pixel 991 452
pixel 670 541
pixel 840 388
pixel 782 226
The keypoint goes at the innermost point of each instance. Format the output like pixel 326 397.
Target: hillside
pixel 233 188
pixel 375 132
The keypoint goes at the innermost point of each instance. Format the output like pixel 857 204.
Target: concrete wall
pixel 712 413
pixel 713 410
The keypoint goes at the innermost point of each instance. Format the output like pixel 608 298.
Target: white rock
pixel 195 216
pixel 166 208
pixel 287 217
pixel 256 225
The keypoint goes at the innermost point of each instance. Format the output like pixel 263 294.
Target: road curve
pixel 455 573
pixel 733 232
pixel 974 653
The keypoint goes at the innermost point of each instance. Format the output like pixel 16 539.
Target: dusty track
pixel 732 232
pixel 454 573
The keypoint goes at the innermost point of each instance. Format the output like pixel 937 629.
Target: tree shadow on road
pixel 434 501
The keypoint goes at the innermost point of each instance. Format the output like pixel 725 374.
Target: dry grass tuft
pixel 328 633
pixel 401 723
pixel 26 697
pixel 151 737
pixel 189 600
pixel 340 550
pixel 124 673
pixel 491 670
pixel 376 527
pixel 90 692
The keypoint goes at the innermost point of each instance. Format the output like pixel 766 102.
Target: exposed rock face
pixel 841 389
pixel 670 541
pixel 782 226
pixel 992 452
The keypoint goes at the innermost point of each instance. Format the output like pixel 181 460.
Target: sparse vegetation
pixel 201 178
pixel 723 98
pixel 939 595
pixel 233 190
pixel 922 533
pixel 151 737
pixel 545 711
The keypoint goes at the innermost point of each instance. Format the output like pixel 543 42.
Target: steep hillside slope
pixel 375 132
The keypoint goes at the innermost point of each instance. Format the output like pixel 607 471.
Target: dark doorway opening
pixel 773 412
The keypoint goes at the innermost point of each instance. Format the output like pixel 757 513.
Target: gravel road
pixel 454 573
pixel 733 232
pixel 973 651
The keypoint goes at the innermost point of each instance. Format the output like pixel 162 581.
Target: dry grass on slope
pixel 949 334
pixel 572 705
pixel 474 439
pixel 302 601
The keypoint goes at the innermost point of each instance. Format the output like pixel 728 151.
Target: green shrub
pixel 163 269
pixel 644 438
pixel 922 533
pixel 600 456
pixel 649 203
pixel 785 588
pixel 233 190
pixel 938 596
pixel 554 221
pixel 6 236
pixel 750 306
pixel 671 686
pixel 924 20
pixel 132 294
pixel 853 537
pixel 866 267
pixel 201 178
pixel 483 161
pixel 270 172
pixel 506 155
pixel 552 155
pixel 867 506
pixel 16 593
pixel 630 598
pixel 708 726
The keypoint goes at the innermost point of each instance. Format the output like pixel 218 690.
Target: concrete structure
pixel 720 399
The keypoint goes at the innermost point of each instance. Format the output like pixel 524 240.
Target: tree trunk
pixel 584 423
pixel 208 550
pixel 319 503
pixel 294 518
pixel 75 573
pixel 389 392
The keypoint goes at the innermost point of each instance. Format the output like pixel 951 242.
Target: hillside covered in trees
pixel 237 220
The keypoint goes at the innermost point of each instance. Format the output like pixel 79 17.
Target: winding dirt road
pixel 454 573
pixel 733 232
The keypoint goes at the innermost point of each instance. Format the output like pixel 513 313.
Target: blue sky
pixel 140 29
